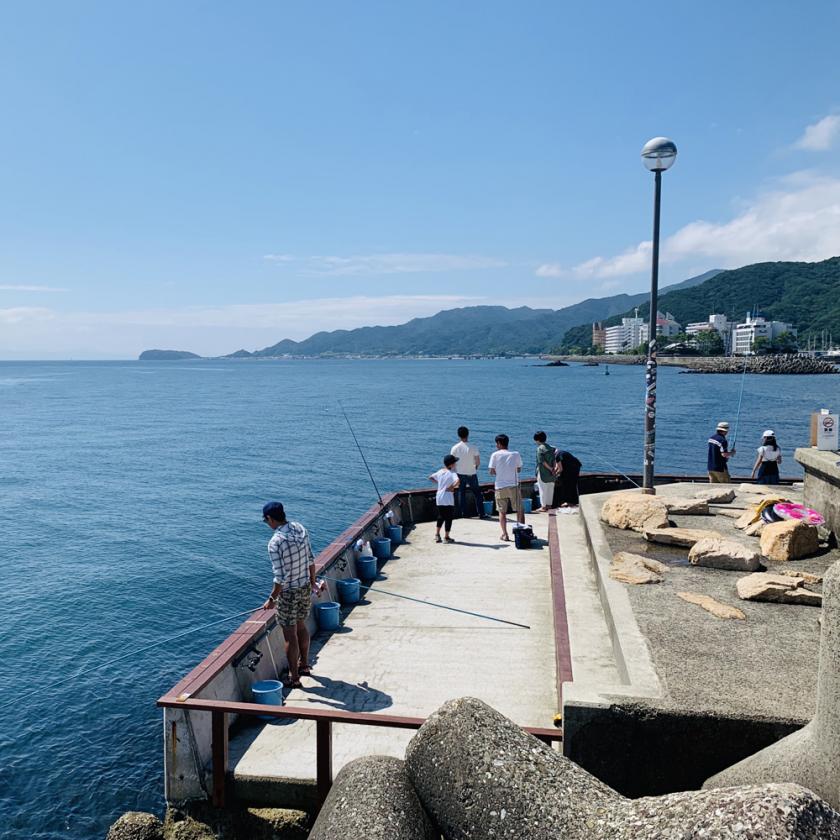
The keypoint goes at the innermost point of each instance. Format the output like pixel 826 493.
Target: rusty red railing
pixel 324 719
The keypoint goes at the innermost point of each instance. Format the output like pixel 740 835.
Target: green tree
pixel 709 343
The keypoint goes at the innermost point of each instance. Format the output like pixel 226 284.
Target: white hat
pixel 769 433
pixel 723 425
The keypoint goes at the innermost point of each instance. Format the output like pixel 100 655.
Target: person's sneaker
pixel 437 538
pixel 449 540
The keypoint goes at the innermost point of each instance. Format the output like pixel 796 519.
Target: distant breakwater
pixel 789 364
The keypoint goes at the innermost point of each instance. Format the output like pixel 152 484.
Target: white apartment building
pixel 666 327
pixel 755 327
pixel 623 337
pixel 720 323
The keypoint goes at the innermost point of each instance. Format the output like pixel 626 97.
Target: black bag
pixel 523 536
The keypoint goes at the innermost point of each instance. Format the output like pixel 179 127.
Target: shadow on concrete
pixel 345 696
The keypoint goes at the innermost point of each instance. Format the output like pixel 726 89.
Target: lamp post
pixel 657 155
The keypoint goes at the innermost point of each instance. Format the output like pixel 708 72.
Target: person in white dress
pixel 767 460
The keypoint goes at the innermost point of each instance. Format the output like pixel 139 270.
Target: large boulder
pixel 779 589
pixel 636 568
pixel 482 778
pixel 634 512
pixel 136 825
pixel 272 824
pixel 782 541
pixel 683 537
pixel 373 799
pixel 721 553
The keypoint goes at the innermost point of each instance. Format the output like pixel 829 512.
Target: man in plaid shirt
pixel 293 566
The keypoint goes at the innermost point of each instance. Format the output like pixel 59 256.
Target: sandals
pixel 305 671
pixel 448 540
pixel 294 684
pixel 504 538
pixel 437 538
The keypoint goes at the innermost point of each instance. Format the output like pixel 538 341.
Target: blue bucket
pixel 326 615
pixel 269 693
pixel 488 508
pixel 395 533
pixel 526 505
pixel 348 590
pixel 381 547
pixel 366 567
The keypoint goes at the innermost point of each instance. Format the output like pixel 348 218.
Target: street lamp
pixel 658 155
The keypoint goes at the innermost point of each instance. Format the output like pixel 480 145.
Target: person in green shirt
pixel 545 471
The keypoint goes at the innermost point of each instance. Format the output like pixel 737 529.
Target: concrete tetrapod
pixel 372 799
pixel 480 777
pixel 811 756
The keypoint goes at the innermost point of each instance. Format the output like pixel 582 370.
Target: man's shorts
pixel 719 477
pixel 293 606
pixel 508 499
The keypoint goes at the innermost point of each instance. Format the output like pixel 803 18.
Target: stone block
pixel 779 589
pixel 481 777
pixel 636 568
pixel 685 507
pixel 373 799
pixel 684 537
pixel 716 495
pixel 634 512
pixel 716 608
pixel 721 553
pixel 136 825
pixel 272 824
pixel 783 541
pixel 755 529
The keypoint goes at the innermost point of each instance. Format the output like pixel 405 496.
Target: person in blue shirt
pixel 719 455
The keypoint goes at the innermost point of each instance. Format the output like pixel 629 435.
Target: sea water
pixel 131 510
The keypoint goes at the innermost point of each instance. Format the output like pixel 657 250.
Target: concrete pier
pixel 404 658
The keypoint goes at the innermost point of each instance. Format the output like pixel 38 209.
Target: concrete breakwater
pixel 788 364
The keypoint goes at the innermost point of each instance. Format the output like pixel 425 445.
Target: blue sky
pixel 210 176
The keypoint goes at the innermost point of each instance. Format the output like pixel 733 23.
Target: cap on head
pixel 449 460
pixel 769 433
pixel 274 510
pixel 723 426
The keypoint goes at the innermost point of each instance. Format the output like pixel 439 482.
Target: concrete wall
pixel 822 484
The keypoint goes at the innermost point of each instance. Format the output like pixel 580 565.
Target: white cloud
pixel 18 288
pixel 372 264
pixel 25 314
pixel 798 219
pixel 821 135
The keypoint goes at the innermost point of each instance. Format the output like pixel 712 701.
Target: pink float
pixel 793 510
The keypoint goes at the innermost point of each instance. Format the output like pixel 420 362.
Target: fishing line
pixel 740 398
pixel 349 426
pixel 439 606
pixel 611 466
pixel 137 651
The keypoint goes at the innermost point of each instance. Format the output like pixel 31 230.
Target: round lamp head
pixel 659 154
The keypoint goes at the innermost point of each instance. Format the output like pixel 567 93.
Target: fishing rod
pixel 740 398
pixel 137 651
pixel 372 479
pixel 439 606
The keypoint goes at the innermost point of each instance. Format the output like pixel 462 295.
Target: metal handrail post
pixel 323 758
pixel 220 756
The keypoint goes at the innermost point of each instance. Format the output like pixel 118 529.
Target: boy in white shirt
pixel 469 461
pixel 447 481
pixel 505 466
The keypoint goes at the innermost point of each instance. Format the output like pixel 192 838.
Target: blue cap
pixel 274 510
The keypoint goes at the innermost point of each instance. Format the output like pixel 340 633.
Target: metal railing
pixel 324 720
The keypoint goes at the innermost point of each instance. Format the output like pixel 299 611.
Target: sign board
pixel 827 427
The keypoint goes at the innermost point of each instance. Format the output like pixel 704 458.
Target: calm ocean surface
pixel 131 504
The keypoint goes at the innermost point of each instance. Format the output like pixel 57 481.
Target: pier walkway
pixel 405 658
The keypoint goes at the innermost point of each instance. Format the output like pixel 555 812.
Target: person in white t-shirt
pixel 505 466
pixel 468 463
pixel 767 460
pixel 447 481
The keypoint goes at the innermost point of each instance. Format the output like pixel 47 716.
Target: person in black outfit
pixel 567 468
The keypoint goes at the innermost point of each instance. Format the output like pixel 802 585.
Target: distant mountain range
pixel 806 295
pixel 472 330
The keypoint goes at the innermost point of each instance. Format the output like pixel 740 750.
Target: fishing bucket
pixel 488 508
pixel 326 615
pixel 527 505
pixel 523 536
pixel 269 693
pixel 381 548
pixel 348 590
pixel 366 567
pixel 395 534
